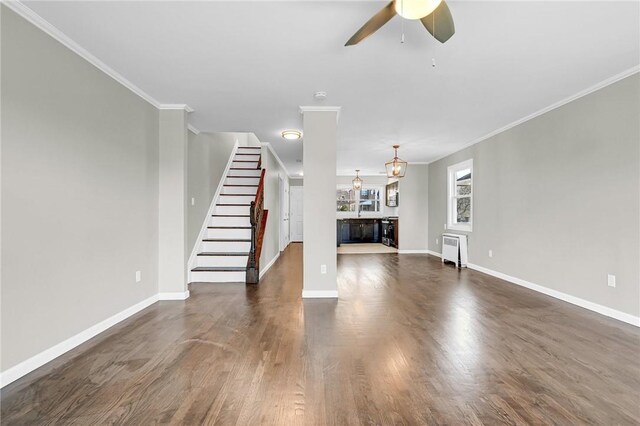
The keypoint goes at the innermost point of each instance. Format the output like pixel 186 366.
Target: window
pixel 460 196
pixel 346 198
pixel 368 199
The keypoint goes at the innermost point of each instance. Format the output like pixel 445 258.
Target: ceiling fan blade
pixel 440 23
pixel 373 24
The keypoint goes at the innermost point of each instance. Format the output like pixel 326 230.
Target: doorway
pixel 296 196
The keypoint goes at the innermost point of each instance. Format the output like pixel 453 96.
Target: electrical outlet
pixel 323 269
pixel 437 241
pixel 611 280
pixel 138 276
pixel 490 253
pixel 193 201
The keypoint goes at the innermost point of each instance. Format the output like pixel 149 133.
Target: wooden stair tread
pixel 230 215
pixel 245 177
pixel 244 186
pixel 237 195
pixel 227 240
pixel 249 147
pixel 233 205
pixel 245 153
pixel 228 227
pixel 245 161
pixel 213 253
pixel 219 269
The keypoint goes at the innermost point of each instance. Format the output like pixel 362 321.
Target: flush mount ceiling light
pixel 396 168
pixel 292 135
pixel 357 182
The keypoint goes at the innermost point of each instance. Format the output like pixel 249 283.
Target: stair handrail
pixel 256 212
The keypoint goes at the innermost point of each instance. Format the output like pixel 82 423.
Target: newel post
pixel 253 275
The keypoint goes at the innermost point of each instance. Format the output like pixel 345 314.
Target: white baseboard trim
pixel 269 265
pixel 174 296
pixel 38 360
pixel 435 253
pixel 413 251
pixel 603 310
pixel 319 294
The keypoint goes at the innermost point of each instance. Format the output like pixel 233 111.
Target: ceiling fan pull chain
pixel 402 22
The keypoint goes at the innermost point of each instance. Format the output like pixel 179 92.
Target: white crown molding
pixel 193 129
pixel 604 83
pixel 312 108
pixel 273 152
pixel 176 106
pixel 27 13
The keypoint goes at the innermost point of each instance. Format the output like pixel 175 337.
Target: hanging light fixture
pixel 396 168
pixel 357 182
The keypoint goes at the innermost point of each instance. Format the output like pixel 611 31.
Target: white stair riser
pixel 241 181
pixel 239 190
pixel 222 260
pixel 226 247
pixel 229 221
pixel 230 199
pixel 228 233
pixel 243 165
pixel 218 277
pixel 231 210
pixel 245 150
pixel 245 172
pixel 243 157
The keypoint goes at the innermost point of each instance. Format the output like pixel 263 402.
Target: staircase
pixel 234 233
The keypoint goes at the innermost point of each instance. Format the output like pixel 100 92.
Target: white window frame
pixel 452 196
pixel 380 212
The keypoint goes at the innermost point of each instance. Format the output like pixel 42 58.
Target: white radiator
pixel 454 249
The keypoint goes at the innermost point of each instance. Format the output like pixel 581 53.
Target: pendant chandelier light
pixel 357 182
pixel 396 168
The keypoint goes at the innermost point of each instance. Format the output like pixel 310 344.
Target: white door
pixel 284 212
pixel 296 213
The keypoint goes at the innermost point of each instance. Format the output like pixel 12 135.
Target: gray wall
pixel 79 193
pixel 208 155
pixel 271 242
pixel 412 208
pixel 557 198
pixel 172 205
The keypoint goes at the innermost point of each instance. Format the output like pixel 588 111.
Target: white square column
pixel 319 205
pixel 172 205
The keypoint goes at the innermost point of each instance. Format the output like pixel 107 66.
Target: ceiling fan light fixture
pixel 292 135
pixel 416 9
pixel 396 168
pixel 357 182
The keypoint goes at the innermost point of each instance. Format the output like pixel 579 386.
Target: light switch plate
pixel 138 276
pixel 323 269
pixel 611 280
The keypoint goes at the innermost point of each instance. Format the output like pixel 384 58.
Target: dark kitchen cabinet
pixel 358 231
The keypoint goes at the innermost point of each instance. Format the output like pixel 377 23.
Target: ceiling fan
pixel 434 15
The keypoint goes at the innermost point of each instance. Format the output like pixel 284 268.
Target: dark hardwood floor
pixel 409 342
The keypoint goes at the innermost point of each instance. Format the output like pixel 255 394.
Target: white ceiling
pixel 247 66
